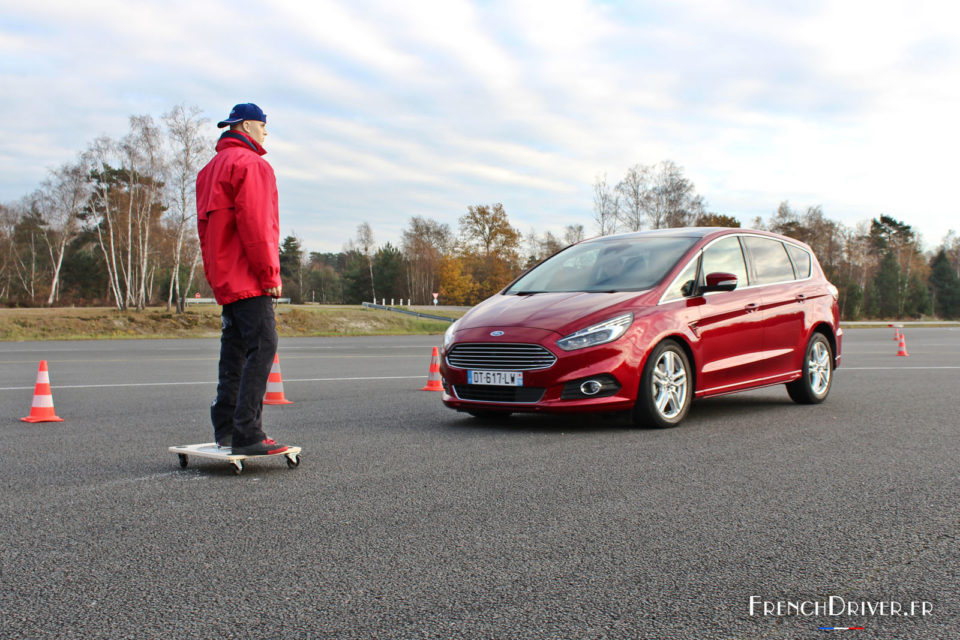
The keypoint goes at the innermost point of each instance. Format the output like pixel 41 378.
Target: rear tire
pixel 666 387
pixel 814 384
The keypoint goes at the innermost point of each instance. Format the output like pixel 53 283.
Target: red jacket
pixel 238 220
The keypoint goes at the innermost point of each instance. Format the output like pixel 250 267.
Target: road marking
pixel 175 384
pixel 211 357
pixel 214 351
pixel 893 368
pixel 361 379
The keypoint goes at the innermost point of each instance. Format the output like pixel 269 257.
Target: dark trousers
pixel 248 343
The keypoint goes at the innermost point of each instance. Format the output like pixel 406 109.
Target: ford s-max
pixel 647 322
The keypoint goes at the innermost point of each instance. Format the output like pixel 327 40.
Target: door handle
pixel 801 297
pixel 750 308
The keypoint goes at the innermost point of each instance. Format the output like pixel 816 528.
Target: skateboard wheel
pixel 293 461
pixel 183 460
pixel 237 467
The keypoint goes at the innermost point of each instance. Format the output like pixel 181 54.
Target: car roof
pixel 679 232
pixel 692 232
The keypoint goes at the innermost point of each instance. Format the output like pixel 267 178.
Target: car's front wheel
pixel 814 385
pixel 666 387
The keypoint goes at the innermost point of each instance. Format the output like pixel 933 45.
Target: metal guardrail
pixel 875 324
pixel 189 301
pixel 371 305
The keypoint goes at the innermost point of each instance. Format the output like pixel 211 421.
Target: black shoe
pixel 263 448
pixel 225 442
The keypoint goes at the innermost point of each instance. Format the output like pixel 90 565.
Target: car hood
pixel 562 312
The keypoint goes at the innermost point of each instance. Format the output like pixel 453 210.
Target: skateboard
pixel 214 452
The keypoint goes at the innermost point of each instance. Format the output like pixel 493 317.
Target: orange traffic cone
pixel 433 380
pixel 42 408
pixel 896 333
pixel 903 346
pixel 274 393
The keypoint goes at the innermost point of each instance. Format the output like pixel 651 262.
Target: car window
pixel 684 284
pixel 725 255
pixel 609 264
pixel 770 260
pixel 801 260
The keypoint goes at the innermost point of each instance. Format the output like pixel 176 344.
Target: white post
pixel 391 302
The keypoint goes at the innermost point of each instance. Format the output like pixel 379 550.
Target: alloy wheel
pixel 669 385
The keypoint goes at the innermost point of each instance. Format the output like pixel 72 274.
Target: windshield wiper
pixel 526 293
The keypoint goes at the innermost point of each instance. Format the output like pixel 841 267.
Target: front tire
pixel 813 387
pixel 666 387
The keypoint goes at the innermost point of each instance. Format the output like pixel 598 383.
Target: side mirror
pixel 720 281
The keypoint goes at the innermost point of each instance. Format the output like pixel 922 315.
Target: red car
pixel 647 322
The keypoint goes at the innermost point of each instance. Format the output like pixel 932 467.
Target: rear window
pixel 770 260
pixel 614 264
pixel 801 260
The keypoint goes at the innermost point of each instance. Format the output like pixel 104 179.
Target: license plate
pixel 498 378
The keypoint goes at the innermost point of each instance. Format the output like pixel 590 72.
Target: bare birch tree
pixel 366 243
pixel 190 150
pixel 27 235
pixel 606 206
pixel 673 201
pixel 573 233
pixel 8 223
pixel 424 243
pixel 105 206
pixel 656 196
pixel 145 169
pixel 63 197
pixel 127 188
pixel 634 192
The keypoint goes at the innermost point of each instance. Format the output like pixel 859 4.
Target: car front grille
pixel 484 393
pixel 504 356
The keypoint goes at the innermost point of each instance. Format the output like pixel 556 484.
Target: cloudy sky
pixel 380 110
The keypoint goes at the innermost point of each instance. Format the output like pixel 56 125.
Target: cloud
pixel 381 110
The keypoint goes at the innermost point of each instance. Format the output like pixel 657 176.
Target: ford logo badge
pixel 496 334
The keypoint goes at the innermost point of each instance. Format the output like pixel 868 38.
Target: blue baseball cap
pixel 244 111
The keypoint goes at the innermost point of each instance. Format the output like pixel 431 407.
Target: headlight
pixel 449 333
pixel 606 331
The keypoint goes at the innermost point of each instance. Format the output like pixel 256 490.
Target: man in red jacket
pixel 239 226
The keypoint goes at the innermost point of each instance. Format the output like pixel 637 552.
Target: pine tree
pixel 886 287
pixel 945 286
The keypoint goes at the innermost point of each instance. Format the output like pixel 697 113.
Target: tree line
pixel 117 226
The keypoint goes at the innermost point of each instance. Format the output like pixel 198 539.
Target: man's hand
pixel 274 291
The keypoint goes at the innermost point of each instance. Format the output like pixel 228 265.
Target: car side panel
pixel 785 309
pixel 730 331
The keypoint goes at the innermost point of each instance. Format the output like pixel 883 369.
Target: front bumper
pixel 553 389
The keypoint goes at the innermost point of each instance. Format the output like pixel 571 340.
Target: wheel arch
pixel 827 331
pixel 684 344
pixel 645 412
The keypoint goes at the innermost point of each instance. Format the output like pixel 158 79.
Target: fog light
pixel 590 388
pixel 599 385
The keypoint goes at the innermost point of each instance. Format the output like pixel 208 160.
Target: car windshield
pixel 606 265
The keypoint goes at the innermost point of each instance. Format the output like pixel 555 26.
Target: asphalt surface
pixel 408 520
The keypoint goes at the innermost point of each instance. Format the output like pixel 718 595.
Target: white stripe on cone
pixel 43 401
